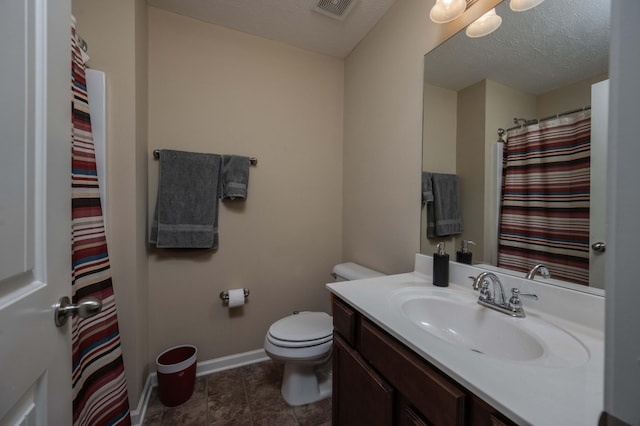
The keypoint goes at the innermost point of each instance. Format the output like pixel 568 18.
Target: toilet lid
pixel 303 326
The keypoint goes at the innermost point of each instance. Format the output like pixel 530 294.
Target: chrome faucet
pixel 482 282
pixel 538 268
pixel 496 300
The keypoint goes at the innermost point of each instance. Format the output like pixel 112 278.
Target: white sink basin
pixel 458 319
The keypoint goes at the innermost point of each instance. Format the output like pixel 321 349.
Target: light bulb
pixel 447 10
pixel 484 25
pixel 522 5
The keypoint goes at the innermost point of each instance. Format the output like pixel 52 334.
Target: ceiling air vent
pixel 337 9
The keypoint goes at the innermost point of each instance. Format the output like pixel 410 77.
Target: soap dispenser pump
pixel 440 267
pixel 464 254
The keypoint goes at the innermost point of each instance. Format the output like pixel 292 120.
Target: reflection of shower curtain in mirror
pixel 544 209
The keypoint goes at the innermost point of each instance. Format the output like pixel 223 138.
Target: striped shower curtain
pixel 544 212
pixel 99 385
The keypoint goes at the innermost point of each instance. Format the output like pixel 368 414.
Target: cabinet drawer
pixel 429 391
pixel 344 320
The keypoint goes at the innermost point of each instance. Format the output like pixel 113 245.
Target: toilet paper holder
pixel 224 295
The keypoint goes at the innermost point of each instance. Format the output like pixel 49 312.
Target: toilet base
pixel 304 383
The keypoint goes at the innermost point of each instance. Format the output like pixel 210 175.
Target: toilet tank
pixel 352 271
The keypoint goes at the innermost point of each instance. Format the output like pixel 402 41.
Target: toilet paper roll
pixel 236 297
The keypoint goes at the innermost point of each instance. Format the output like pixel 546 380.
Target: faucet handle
pixel 515 304
pixel 531 295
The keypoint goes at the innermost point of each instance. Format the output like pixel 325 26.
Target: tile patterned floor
pixel 245 396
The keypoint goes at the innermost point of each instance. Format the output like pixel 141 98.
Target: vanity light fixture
pixel 522 5
pixel 484 25
pixel 447 10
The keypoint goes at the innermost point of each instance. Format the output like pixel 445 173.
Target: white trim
pixel 137 415
pixel 204 368
pixel 231 361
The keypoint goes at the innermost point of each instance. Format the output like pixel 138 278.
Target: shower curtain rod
pixel 252 160
pixel 524 122
pixel 82 43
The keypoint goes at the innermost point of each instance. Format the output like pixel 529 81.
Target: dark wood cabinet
pixel 406 415
pixel 379 381
pixel 360 395
pixel 440 400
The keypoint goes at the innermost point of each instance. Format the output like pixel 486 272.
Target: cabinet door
pixel 406 415
pixel 435 396
pixel 360 396
pixel 483 414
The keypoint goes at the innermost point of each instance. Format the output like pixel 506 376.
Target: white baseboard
pixel 137 415
pixel 229 362
pixel 203 368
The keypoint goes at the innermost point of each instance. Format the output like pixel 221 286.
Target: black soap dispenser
pixel 441 267
pixel 464 254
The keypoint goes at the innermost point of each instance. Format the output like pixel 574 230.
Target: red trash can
pixel 176 368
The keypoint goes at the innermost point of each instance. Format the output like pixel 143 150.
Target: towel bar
pixel 252 160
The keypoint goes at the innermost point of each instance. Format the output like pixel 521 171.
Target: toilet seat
pixel 300 344
pixel 301 330
pixel 313 354
pixel 305 337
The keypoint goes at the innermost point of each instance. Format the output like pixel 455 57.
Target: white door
pixel 35 203
pixel 598 205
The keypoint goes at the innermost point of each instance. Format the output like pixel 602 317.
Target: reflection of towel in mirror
pixel 186 214
pixel 235 176
pixel 443 213
pixel 427 189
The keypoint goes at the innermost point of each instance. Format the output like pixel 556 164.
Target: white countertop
pixel 528 394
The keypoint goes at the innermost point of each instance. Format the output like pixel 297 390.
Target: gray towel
pixel 443 213
pixel 186 214
pixel 427 188
pixel 235 176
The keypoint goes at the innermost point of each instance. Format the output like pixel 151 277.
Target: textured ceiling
pixel 292 22
pixel 557 43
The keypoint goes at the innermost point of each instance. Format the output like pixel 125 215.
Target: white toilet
pixel 303 342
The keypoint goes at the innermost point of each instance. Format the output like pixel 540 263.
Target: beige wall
pixel 216 90
pixel 438 150
pixel 141 287
pixel 470 163
pixel 439 131
pixel 383 134
pixel 566 98
pixel 116 34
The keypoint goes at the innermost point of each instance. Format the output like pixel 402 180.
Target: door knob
pixel 600 247
pixel 85 308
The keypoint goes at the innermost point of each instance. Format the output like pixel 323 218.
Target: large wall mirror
pixel 539 63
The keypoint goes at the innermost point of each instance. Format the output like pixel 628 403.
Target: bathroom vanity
pixel 408 353
pixel 379 381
